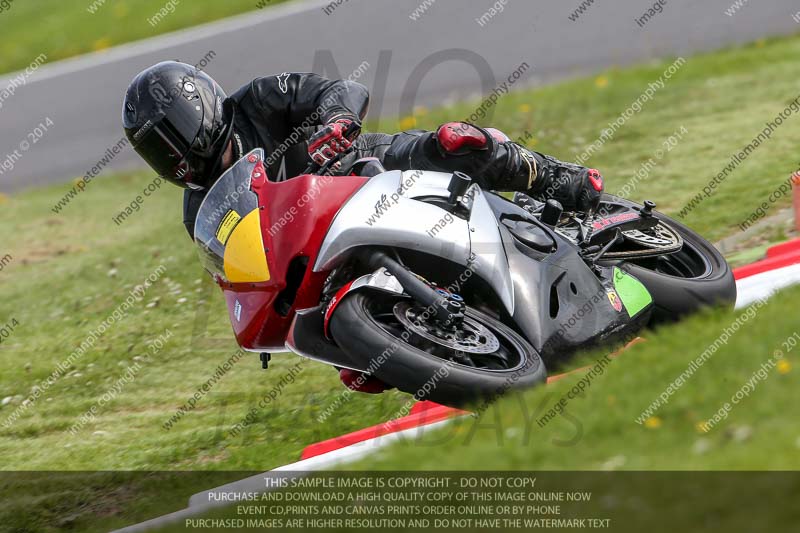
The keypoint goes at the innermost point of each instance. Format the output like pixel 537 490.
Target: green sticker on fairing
pixel 632 292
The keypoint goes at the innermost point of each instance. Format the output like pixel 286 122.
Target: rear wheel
pixel 403 347
pixel 681 282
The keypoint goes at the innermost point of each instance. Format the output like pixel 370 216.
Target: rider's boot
pixel 577 188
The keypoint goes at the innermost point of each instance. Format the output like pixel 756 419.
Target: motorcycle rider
pixel 182 123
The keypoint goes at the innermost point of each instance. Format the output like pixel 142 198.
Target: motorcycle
pixel 436 286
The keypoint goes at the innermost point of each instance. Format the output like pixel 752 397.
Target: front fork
pixel 447 309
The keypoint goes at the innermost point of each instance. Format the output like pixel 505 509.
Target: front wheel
pixel 401 346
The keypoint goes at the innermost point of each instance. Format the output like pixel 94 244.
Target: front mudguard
pixel 308 334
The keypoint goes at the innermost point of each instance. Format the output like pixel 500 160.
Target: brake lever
pixel 314 168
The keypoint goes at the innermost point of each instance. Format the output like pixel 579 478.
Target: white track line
pixel 765 284
pixel 154 44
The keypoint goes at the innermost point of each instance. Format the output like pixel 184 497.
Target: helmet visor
pixel 167 142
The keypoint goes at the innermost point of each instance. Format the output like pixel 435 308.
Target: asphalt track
pixel 447 54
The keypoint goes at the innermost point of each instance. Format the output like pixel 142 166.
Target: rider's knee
pixel 460 138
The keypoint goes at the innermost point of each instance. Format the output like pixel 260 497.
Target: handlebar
pixel 314 168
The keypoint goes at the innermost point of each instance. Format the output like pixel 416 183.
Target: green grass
pixel 70 271
pixel 62 29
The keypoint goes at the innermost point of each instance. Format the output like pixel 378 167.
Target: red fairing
pixel 459 137
pixel 295 217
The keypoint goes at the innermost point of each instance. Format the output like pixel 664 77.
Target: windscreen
pixel 225 206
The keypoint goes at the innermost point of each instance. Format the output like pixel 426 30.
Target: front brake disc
pixel 471 337
pixel 661 240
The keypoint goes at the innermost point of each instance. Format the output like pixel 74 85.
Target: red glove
pixel 333 139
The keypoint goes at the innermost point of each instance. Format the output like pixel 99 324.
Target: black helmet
pixel 173 117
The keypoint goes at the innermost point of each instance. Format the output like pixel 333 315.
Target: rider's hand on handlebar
pixel 333 139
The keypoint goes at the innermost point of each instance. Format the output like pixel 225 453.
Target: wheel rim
pixel 475 345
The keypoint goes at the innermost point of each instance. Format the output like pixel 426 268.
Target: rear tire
pixel 696 276
pixel 399 363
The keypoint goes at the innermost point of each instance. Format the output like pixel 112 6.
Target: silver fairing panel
pixel 384 212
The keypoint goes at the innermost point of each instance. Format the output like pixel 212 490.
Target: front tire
pixel 366 326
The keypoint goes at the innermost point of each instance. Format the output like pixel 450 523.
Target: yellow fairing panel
pixel 245 260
